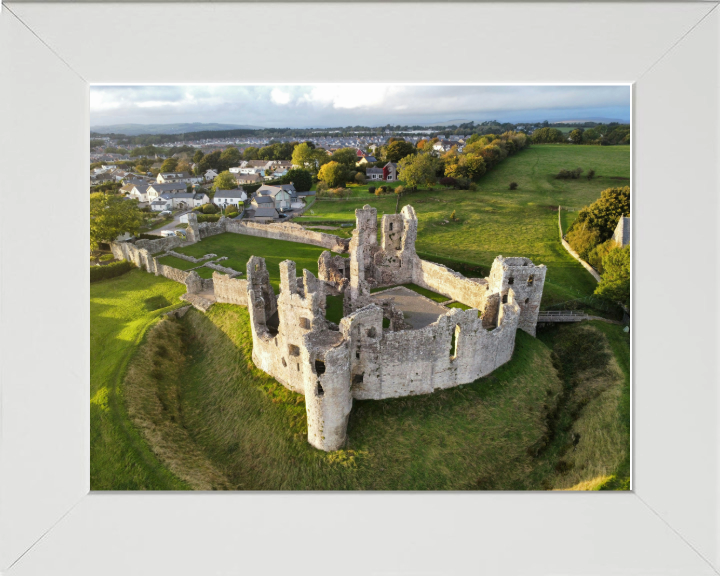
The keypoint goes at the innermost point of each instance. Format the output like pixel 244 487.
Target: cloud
pixel 352 104
pixel 280 97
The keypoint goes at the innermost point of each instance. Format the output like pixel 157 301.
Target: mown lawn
pixel 121 311
pixel 496 221
pixel 239 248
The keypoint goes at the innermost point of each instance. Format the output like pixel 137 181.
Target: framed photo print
pixel 399 289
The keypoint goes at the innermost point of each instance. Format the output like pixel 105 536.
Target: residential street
pixel 170 225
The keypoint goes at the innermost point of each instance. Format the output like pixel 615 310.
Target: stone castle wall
pixel 230 290
pixel 289 232
pixel 161 244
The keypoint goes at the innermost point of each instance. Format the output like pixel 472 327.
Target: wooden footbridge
pixel 562 316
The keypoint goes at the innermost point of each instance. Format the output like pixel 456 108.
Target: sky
pixel 335 105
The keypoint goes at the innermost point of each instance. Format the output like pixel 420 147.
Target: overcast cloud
pixel 324 105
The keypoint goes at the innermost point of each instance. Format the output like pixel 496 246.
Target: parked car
pixel 166 233
pixel 166 213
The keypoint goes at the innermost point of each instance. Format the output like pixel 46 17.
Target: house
pixel 622 232
pixel 283 195
pixel 365 160
pixel 248 179
pixel 262 208
pixel 224 198
pixel 374 173
pixel 139 192
pixel 154 191
pixel 165 177
pixel 390 172
pixel 210 175
pixel 446 145
pixel 182 200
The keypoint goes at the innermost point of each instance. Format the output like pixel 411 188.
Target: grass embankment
pixel 121 311
pixel 253 431
pixel 497 221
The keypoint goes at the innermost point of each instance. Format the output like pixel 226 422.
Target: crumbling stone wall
pixel 160 244
pixel 230 290
pixel 290 232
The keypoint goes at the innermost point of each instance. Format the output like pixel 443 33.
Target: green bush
pixel 208 218
pixel 148 236
pixel 371 189
pixel 106 258
pixel 98 273
pixel 210 209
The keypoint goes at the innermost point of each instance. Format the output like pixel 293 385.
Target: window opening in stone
pixel 293 350
pixel 284 363
pixel 504 299
pixel 319 390
pixel 454 341
pixel 527 300
pixel 391 226
pixel 358 378
pixel 298 367
pixel 371 332
pixel 531 279
pixel 511 280
pixel 305 323
pixel 319 367
pixel 357 354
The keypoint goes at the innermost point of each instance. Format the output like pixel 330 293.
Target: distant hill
pixel 599 120
pixel 448 123
pixel 139 129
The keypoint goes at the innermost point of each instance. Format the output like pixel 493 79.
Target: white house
pixel 139 193
pixel 446 145
pixel 224 198
pixel 165 177
pixel 283 195
pixel 210 175
pixel 154 191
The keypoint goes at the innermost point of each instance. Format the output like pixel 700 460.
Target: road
pixel 170 225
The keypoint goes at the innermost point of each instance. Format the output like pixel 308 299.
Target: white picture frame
pixel 49 522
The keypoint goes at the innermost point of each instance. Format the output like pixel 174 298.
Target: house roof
pixel 168 186
pixel 265 213
pixel 236 193
pixel 374 171
pixel 248 177
pixel 260 199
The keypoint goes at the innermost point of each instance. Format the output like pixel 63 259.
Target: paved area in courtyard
pixel 418 310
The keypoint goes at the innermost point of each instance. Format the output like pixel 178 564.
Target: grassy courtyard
pixel 239 248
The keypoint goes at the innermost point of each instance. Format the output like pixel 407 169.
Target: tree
pixel 225 181
pixel 615 283
pixel 513 185
pixel 345 156
pixel 229 158
pixel 251 153
pixel 198 156
pixel 576 136
pixel 111 216
pixel 169 165
pixel 306 157
pixel 299 178
pixel 183 166
pixel 399 191
pixel 418 170
pixel 397 150
pixel 548 136
pixel 211 161
pixel 452 216
pixel 603 214
pixel 360 178
pixel 472 166
pixel 333 174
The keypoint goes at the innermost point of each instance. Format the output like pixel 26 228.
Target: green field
pixel 239 248
pixel 496 221
pixel 121 311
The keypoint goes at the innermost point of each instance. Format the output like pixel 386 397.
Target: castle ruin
pixel 361 357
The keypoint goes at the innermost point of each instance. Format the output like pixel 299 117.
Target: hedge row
pixel 208 218
pixel 98 273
